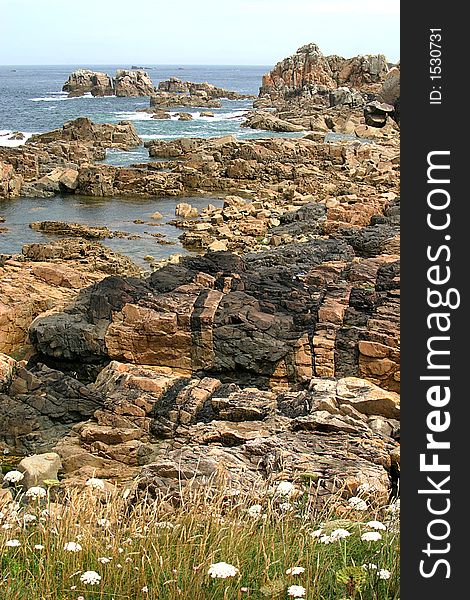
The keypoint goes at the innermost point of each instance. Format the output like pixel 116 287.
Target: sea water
pixel 31 101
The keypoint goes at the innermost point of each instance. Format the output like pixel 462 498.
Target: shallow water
pixel 117 214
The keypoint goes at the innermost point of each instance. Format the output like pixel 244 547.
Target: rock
pixel 176 86
pixel 133 83
pixel 186 211
pixel 7 371
pixel 307 69
pixel 91 255
pixel 367 398
pixel 40 407
pixel 121 135
pixel 267 121
pixel 376 113
pixel 218 246
pixel 71 229
pixel 184 116
pixel 343 96
pixel 39 468
pixel 10 181
pixel 206 113
pixel 156 215
pixel 168 100
pixel 390 91
pixel 83 81
pixel 160 114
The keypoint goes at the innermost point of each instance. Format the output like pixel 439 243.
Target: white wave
pixel 6 134
pixel 133 116
pixel 62 96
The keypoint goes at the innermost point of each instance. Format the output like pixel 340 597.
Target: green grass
pixel 169 548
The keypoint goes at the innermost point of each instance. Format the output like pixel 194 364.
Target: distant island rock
pixel 127 82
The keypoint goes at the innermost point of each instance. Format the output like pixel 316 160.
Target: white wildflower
pixel 104 522
pixel 94 483
pixel 285 488
pixel 90 577
pixel 255 510
pixel 145 589
pixel 28 518
pixel 164 525
pixel 72 547
pixel 296 591
pixel 317 533
pixel 370 566
pixel 286 506
pixel 371 536
pixel 222 570
pixel 339 534
pixel 36 492
pixel 7 526
pixel 376 525
pixel 12 543
pixel 394 508
pixel 325 539
pixel 13 477
pixel 104 560
pixel 295 571
pixel 39 547
pixel 357 503
pixel 384 574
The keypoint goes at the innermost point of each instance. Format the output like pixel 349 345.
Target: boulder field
pixel 272 350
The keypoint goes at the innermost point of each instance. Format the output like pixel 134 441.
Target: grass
pixel 162 550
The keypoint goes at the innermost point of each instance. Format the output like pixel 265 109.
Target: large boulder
pixel 39 468
pixel 121 135
pixel 84 81
pixel 267 121
pixel 133 83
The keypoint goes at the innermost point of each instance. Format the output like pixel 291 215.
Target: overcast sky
pixel 243 32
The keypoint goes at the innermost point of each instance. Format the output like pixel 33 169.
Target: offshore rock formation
pixel 177 93
pixel 133 83
pixel 122 135
pixel 84 81
pixel 176 86
pixel 125 83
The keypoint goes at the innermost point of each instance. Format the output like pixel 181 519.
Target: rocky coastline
pixel 272 352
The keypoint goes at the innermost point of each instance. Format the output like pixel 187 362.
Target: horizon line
pixel 149 65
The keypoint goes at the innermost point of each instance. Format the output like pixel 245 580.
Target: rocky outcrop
pixel 376 113
pixel 268 122
pixel 125 83
pixel 278 316
pixel 305 71
pixel 83 81
pixel 176 93
pixel 188 429
pixel 309 74
pixel 40 406
pixel 132 83
pixel 48 277
pixel 10 181
pixel 176 86
pixel 122 135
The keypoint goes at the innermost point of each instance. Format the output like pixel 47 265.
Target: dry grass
pixel 156 550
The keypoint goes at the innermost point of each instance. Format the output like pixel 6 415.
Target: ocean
pixel 31 101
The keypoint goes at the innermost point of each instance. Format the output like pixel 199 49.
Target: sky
pixel 225 32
